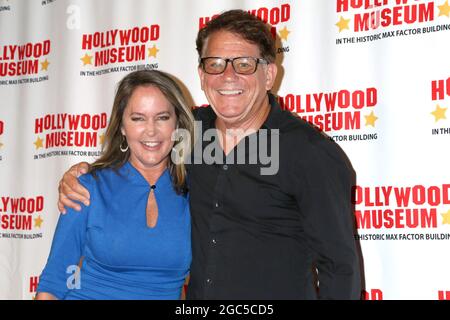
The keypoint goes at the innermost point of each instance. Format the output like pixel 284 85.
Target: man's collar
pixel 272 121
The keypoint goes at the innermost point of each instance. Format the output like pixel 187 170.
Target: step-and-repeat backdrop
pixel 372 74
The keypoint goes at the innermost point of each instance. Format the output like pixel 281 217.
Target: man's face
pixel 235 98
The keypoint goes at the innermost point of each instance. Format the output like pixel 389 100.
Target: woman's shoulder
pixel 95 176
pixel 87 180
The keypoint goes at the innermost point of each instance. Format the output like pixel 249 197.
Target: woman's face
pixel 148 123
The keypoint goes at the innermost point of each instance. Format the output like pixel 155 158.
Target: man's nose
pixel 229 72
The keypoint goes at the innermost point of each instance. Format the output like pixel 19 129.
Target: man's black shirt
pixel 258 236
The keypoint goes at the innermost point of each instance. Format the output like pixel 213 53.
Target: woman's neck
pixel 150 173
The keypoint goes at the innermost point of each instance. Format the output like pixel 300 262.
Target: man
pixel 277 234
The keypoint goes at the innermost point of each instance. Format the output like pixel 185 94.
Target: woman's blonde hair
pixel 112 156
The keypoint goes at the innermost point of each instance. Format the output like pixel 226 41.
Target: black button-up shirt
pixel 258 236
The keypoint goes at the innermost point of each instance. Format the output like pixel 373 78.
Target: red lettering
pixel 344 99
pixel 440 88
pixel 19 68
pixel 445 194
pixel 46 50
pixel 398 218
pixel 21 52
pixel 203 21
pixel 367 201
pixel 16 222
pixel 402 196
pixel 124 36
pixel 38 125
pixel 86 42
pixel 74 121
pixel 317 99
pixel 372 97
pixel 358 99
pixel 70 139
pixel 271 16
pixel 5 221
pixel 263 14
pixel 374 294
pixel 342 5
pixel 135 35
pixel 98 121
pixel 14 205
pixel 274 16
pixel 85 121
pixel 386 219
pixel 335 121
pixel 285 12
pixel 330 101
pixel 396 16
pixel 33 284
pixel 22 204
pixel 418 195
pixel 443 295
pixel 434 196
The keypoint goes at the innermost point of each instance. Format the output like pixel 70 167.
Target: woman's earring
pixel 124 149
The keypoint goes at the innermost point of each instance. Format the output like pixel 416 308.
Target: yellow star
pixel 370 119
pixel 39 143
pixel 38 221
pixel 446 217
pixel 444 10
pixel 87 59
pixel 101 138
pixel 152 51
pixel 343 24
pixel 44 65
pixel 284 33
pixel 439 113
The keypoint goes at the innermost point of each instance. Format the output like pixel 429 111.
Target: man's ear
pixel 271 75
pixel 201 75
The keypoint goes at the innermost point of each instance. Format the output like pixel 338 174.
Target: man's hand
pixel 70 189
pixel 45 296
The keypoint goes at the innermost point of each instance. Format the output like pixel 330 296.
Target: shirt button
pixel 225 167
pixel 213 241
pixel 216 204
pixel 208 281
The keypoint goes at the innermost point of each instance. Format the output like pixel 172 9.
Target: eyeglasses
pixel 241 65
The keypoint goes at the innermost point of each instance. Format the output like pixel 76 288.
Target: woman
pixel 133 241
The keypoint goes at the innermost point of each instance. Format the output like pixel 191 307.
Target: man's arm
pixel 70 190
pixel 324 198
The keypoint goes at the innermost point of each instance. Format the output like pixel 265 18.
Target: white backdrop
pixel 374 75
